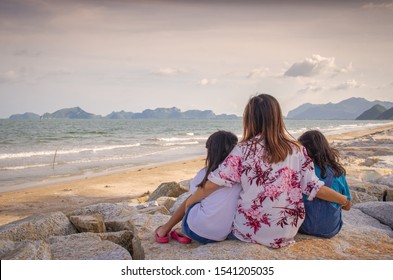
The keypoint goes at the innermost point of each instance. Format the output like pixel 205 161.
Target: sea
pixel 38 152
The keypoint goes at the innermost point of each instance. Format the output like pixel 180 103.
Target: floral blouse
pixel 270 209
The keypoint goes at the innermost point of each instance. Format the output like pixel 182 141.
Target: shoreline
pixel 89 175
pixel 117 186
pixel 68 195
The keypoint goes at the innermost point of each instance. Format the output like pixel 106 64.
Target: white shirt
pixel 212 218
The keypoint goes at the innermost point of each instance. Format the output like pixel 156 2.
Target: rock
pixel 37 227
pixel 185 184
pixel 365 223
pixel 382 211
pixel 179 201
pixel 355 241
pixel 90 223
pixel 122 238
pixel 386 180
pixel 373 189
pixel 155 210
pixel 108 211
pixel 117 216
pixel 171 189
pixel 167 202
pixel 388 195
pixel 370 161
pixel 24 250
pixel 146 205
pixel 86 246
pixel 359 197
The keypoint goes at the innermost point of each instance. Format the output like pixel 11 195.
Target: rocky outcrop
pixel 124 231
pixel 382 211
pixel 38 227
pixel 171 189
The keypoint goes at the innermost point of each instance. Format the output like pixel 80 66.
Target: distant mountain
pixel 25 116
pixel 120 115
pixel 373 113
pixel 348 109
pixel 387 115
pixel 70 113
pixel 159 113
pixel 169 113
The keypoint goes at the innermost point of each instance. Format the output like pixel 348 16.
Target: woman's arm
pixel 328 194
pixel 200 193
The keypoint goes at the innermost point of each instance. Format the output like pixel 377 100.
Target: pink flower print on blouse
pixel 281 242
pixel 255 218
pixel 232 169
pixel 307 164
pixel 295 195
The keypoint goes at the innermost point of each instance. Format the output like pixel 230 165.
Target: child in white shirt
pixel 209 220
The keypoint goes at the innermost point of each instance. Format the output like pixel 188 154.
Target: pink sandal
pixel 159 239
pixel 180 239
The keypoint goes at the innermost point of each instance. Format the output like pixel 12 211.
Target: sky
pixel 113 55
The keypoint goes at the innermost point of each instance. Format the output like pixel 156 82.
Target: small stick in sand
pixel 54 159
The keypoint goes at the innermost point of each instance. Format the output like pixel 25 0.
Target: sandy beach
pixel 131 184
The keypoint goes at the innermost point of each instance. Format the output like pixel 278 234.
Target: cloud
pixel 27 53
pixel 55 74
pixel 29 75
pixel 169 71
pixel 316 65
pixel 10 76
pixel 349 84
pixel 207 82
pixel 310 88
pixel 383 5
pixel 258 73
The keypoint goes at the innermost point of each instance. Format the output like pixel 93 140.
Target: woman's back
pixel 271 207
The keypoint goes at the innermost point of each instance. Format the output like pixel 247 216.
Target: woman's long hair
pixel 322 154
pixel 263 116
pixel 218 146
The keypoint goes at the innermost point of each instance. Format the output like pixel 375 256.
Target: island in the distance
pixel 159 113
pixel 354 108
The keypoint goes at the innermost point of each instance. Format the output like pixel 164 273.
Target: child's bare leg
pixel 177 216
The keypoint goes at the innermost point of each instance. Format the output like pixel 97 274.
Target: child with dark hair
pixel 323 218
pixel 209 220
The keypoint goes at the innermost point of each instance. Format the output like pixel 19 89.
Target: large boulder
pixel 386 180
pixel 38 227
pixel 24 250
pixel 179 201
pixel 117 216
pixel 171 189
pixel 90 223
pixel 86 246
pixel 370 188
pixel 361 238
pixel 359 197
pixel 382 211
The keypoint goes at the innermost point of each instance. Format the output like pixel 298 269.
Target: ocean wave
pixel 64 152
pixel 177 139
pixel 181 143
pixel 21 167
pixel 84 161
